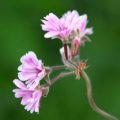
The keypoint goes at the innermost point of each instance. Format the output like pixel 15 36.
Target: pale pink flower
pixel 70 24
pixel 30 98
pixel 31 70
pixel 54 27
pixel 75 22
pixel 71 20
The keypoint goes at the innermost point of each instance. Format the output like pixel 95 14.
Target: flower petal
pixel 19 84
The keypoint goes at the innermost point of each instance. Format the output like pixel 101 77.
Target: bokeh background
pixel 20 32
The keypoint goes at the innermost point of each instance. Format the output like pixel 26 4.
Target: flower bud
pixel 75 46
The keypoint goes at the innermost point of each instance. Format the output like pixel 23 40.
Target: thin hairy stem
pixel 51 69
pixel 91 100
pixel 61 75
pixel 59 67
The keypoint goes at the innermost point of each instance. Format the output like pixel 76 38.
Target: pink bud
pixel 75 46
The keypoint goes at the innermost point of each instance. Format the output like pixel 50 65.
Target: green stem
pixel 91 100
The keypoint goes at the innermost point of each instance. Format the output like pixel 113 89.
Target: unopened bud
pixel 75 47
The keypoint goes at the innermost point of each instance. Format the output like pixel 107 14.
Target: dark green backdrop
pixel 20 32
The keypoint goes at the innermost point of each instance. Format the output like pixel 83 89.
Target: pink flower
pixel 31 70
pixel 73 21
pixel 30 98
pixel 54 27
pixel 70 24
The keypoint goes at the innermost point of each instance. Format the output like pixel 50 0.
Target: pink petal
pixel 51 34
pixel 83 21
pixel 19 84
pixel 26 75
pixel 29 59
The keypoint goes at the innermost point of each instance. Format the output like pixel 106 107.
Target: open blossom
pixel 70 24
pixel 71 20
pixel 54 27
pixel 31 70
pixel 30 98
pixel 76 23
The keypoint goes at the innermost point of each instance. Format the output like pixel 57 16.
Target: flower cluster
pixel 71 30
pixel 31 71
pixel 66 28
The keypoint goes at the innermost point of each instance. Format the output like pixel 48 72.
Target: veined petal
pixel 19 84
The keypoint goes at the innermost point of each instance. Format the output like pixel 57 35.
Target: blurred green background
pixel 20 32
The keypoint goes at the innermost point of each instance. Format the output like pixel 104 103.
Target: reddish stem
pixel 66 51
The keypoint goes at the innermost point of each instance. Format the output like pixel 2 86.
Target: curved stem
pixel 91 100
pixel 51 69
pixel 61 75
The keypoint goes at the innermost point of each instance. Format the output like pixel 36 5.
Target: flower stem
pixel 91 100
pixel 50 70
pixel 61 75
pixel 66 51
pixel 59 67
